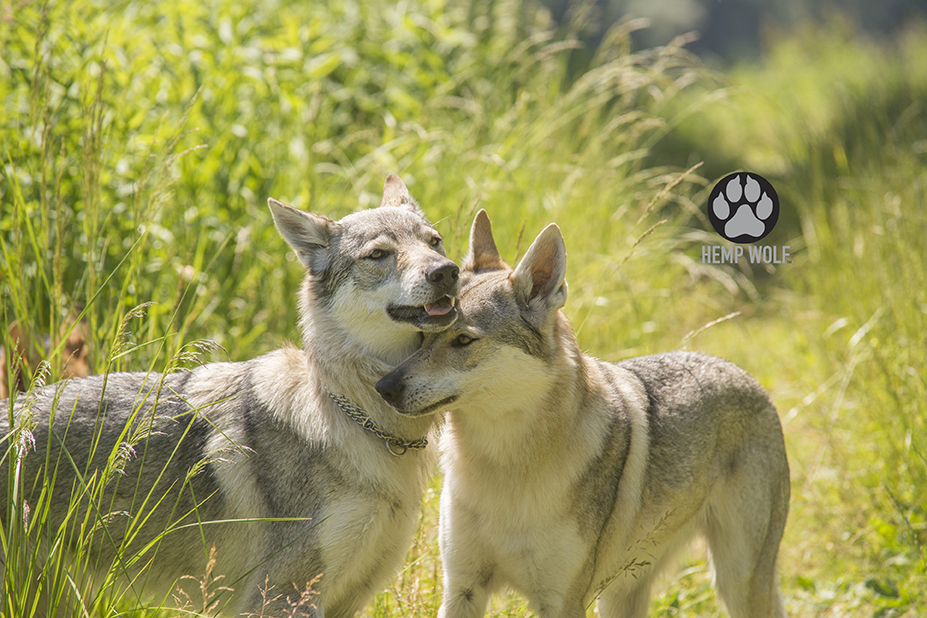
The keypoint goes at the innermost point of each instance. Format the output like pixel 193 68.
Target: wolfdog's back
pixel 103 457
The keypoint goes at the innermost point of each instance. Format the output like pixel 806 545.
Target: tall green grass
pixel 142 141
pixel 69 550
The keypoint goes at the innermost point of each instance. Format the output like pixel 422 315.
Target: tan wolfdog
pixel 290 465
pixel 572 479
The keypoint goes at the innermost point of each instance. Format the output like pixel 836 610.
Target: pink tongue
pixel 441 307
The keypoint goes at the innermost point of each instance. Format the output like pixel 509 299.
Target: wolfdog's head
pixel 380 275
pixel 504 347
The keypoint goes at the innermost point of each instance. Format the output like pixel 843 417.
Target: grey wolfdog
pixel 572 479
pixel 290 464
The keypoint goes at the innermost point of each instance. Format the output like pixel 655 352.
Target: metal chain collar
pixel 360 417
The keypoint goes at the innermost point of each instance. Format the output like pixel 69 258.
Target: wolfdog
pixel 290 465
pixel 572 479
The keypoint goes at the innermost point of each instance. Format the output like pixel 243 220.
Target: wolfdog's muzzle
pixel 441 311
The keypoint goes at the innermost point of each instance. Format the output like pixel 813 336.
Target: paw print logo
pixel 743 207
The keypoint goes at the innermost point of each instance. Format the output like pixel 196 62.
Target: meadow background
pixel 140 140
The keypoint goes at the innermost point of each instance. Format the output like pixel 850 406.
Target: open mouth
pixel 442 306
pixel 440 312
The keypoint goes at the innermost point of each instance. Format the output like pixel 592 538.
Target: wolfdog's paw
pixel 742 207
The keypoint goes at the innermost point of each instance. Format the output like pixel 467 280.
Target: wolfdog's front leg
pixel 464 600
pixel 468 577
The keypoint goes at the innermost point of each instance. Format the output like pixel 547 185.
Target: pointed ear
pixel 483 254
pixel 396 194
pixel 306 233
pixel 539 279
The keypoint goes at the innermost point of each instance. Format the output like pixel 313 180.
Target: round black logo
pixel 743 207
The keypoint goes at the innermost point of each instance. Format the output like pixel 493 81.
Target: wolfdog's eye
pixel 377 254
pixel 463 340
pixel 435 241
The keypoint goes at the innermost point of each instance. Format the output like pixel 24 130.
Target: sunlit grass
pixel 139 147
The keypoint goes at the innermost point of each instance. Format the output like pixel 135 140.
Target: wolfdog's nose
pixel 444 273
pixel 390 389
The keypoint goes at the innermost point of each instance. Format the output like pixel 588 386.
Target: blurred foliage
pixel 142 139
pixel 731 31
pixel 843 138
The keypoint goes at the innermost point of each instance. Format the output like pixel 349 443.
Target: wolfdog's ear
pixel 307 233
pixel 483 254
pixel 395 193
pixel 539 279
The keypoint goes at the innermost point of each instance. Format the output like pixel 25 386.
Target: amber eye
pixel 377 254
pixel 463 340
pixel 435 241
